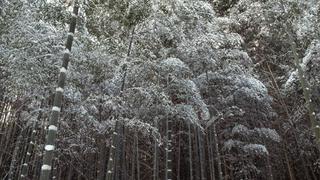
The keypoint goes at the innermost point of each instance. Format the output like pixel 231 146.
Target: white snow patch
pixel 49 147
pixel 46 167
pixel 53 128
pixel 55 108
pixel 63 70
pixel 59 89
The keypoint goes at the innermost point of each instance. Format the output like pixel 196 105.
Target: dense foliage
pixel 192 89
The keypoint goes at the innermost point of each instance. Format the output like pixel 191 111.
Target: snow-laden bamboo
pixel 52 129
pixel 315 126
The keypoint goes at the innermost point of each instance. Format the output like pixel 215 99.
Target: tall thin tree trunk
pixel 168 170
pixel 133 160
pixel 31 145
pixel 291 175
pixel 196 151
pixel 210 154
pixel 52 128
pixel 269 168
pixel 123 158
pixel 124 68
pixel 137 155
pixel 178 152
pixel 190 151
pixel 7 137
pixel 55 168
pixel 226 176
pixel 36 164
pixel 155 158
pixel 218 158
pixel 13 165
pixel 201 154
pixel 118 151
pixel 25 165
pixel 102 158
pixel 111 163
pixel 70 173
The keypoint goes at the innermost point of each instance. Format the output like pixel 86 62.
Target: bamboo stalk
pixel 137 156
pixel 155 159
pixel 305 86
pixel 168 171
pixel 190 151
pixel 110 168
pixel 196 151
pixel 52 127
pixel 178 152
pixel 218 158
pixel 12 170
pixel 201 154
pixel 30 147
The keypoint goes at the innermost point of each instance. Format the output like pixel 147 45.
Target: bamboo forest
pixel 159 89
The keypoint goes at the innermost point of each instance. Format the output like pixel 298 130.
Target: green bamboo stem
pixel 190 151
pixel 49 148
pixel 168 171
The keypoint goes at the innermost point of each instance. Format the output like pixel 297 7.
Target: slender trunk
pixel 52 128
pixel 168 170
pixel 133 161
pixel 220 173
pixel 155 158
pixel 226 176
pixel 201 154
pixel 111 163
pixel 137 156
pixel 22 153
pixel 131 42
pixel 36 165
pixel 123 158
pixel 269 168
pixel 13 165
pixel 25 165
pixel 5 108
pixel 306 172
pixel 55 168
pixel 70 173
pixel 210 154
pixel 190 151
pixel 118 151
pixel 102 158
pixel 124 68
pixel 60 173
pixel 178 153
pixel 2 109
pixel 196 151
pixel 8 136
pixel 312 172
pixel 289 167
pixel 305 169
